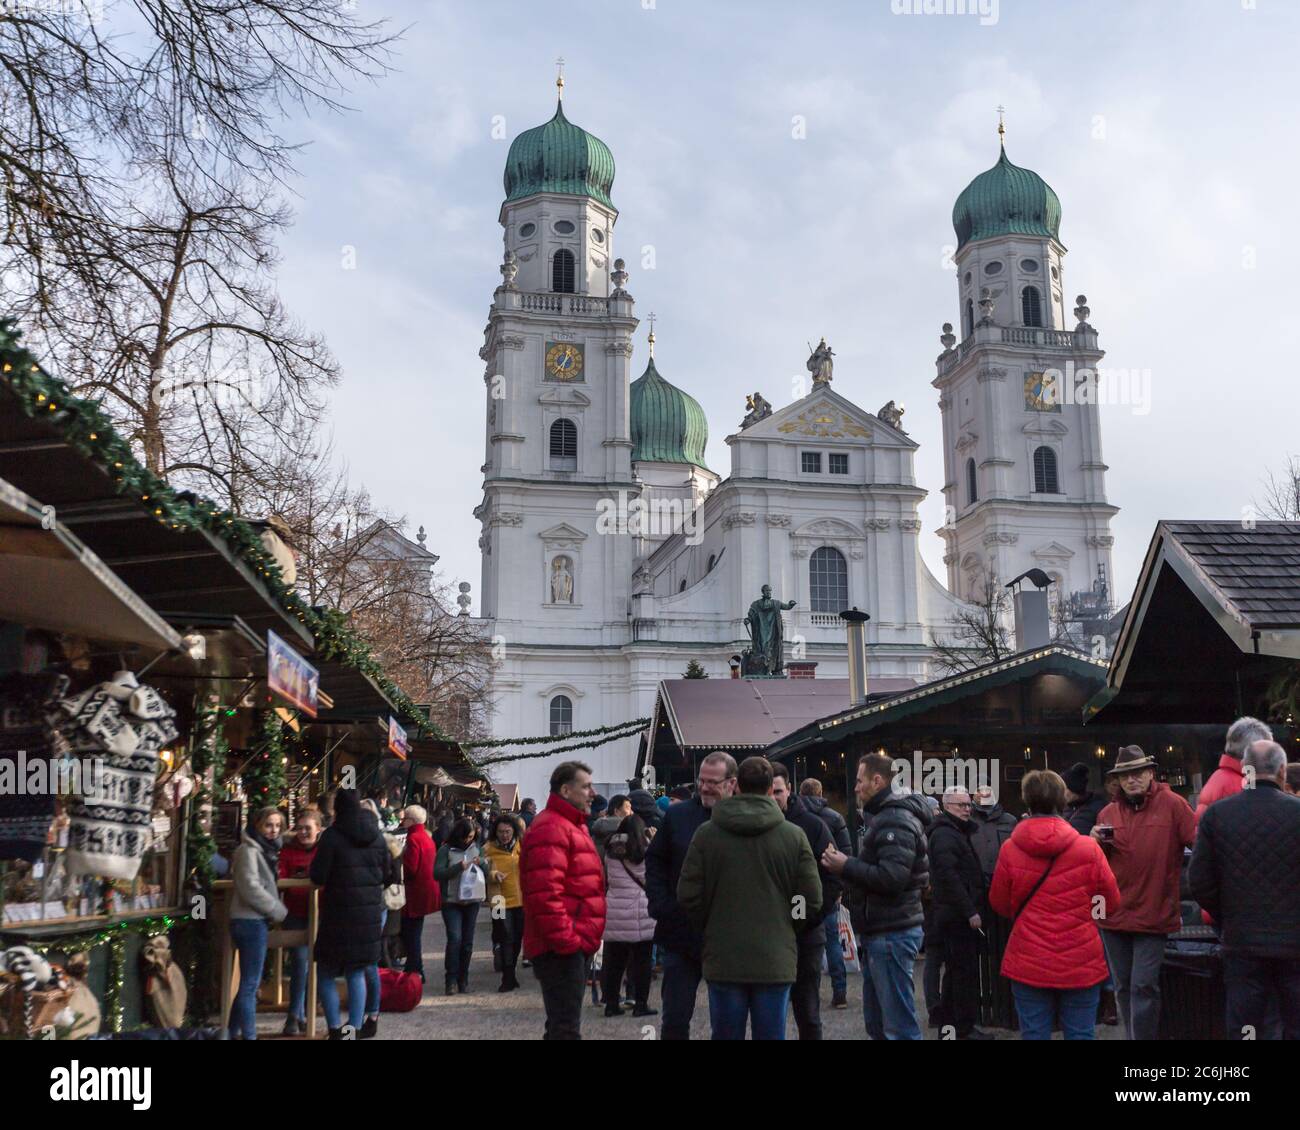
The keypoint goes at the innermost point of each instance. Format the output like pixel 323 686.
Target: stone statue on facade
pixel 764 656
pixel 561 582
pixel 892 414
pixel 820 364
pixel 759 409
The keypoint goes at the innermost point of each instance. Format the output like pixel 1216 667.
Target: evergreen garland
pixel 264 778
pixel 629 725
pixel 563 749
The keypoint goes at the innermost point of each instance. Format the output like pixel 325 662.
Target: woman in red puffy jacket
pixel 423 896
pixel 1048 881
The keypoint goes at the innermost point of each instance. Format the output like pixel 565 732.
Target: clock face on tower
pixel 1042 393
pixel 563 361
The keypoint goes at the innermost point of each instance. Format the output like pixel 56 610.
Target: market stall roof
pixel 1215 614
pixel 49 579
pixel 1053 659
pixel 740 714
pixel 162 543
pixel 188 558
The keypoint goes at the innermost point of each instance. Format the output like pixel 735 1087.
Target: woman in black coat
pixel 353 864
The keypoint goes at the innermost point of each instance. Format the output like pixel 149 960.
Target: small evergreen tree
pixel 695 671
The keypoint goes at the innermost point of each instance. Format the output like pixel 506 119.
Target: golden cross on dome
pixel 652 318
pixel 1002 129
pixel 559 76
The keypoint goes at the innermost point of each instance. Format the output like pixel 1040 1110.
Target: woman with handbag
pixel 502 855
pixel 423 896
pixel 459 868
pixel 1046 881
pixel 629 929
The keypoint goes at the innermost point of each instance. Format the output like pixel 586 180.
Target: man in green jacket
pixel 750 883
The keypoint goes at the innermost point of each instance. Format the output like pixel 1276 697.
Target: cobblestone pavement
pixel 485 1014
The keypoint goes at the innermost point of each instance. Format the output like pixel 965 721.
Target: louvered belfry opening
pixel 1031 306
pixel 562 272
pixel 1045 480
pixel 564 446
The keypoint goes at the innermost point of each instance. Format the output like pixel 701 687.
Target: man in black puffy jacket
pixel 891 871
pixel 958 899
pixel 810 792
pixel 1243 873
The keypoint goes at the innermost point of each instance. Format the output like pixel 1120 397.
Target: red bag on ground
pixel 399 992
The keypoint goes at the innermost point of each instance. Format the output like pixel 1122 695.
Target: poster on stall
pixel 396 739
pixel 290 676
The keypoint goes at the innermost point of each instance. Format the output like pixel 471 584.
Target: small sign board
pixel 397 744
pixel 290 676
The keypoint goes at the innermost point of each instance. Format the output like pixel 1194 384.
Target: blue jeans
pixel 459 918
pixel 249 937
pixel 329 995
pixel 1038 1009
pixel 299 957
pixel 764 1006
pixel 835 955
pixel 681 983
pixel 888 992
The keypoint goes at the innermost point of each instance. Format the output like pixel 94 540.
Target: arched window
pixel 713 560
pixel 972 487
pixel 1045 480
pixel 1031 306
pixel 562 272
pixel 564 446
pixel 970 317
pixel 828 580
pixel 682 586
pixel 561 714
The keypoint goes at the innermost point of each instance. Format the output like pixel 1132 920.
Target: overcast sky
pixel 1169 131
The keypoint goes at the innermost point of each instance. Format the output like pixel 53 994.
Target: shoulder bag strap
pixel 1041 880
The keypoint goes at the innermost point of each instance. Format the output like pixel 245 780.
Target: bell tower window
pixel 1031 306
pixel 972 487
pixel 970 318
pixel 564 446
pixel 1045 478
pixel 562 272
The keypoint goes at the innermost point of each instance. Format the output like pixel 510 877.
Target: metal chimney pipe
pixel 856 622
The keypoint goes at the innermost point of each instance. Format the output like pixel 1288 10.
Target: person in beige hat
pixel 1143 833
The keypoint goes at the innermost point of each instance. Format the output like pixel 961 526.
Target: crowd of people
pixel 755 887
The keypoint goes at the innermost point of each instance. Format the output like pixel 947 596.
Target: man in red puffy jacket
pixel 1227 780
pixel 563 886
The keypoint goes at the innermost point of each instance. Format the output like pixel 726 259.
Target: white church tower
pixel 1024 477
pixel 557 349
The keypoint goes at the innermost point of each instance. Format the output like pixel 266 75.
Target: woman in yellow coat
pixel 505 899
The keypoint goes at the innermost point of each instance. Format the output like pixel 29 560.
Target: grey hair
pixel 1242 732
pixel 1268 759
pixel 720 757
pixel 953 790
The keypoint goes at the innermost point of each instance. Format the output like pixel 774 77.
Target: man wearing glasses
pixel 1143 833
pixel 958 899
pixel 682 944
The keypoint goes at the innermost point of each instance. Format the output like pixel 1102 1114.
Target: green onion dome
pixel 1006 200
pixel 667 425
pixel 559 157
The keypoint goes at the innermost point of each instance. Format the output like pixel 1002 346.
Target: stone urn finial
pixel 619 276
pixel 947 339
pixel 1082 312
pixel 509 269
pixel 986 307
pixel 464 598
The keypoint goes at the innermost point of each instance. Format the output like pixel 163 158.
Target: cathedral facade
pixel 613 554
